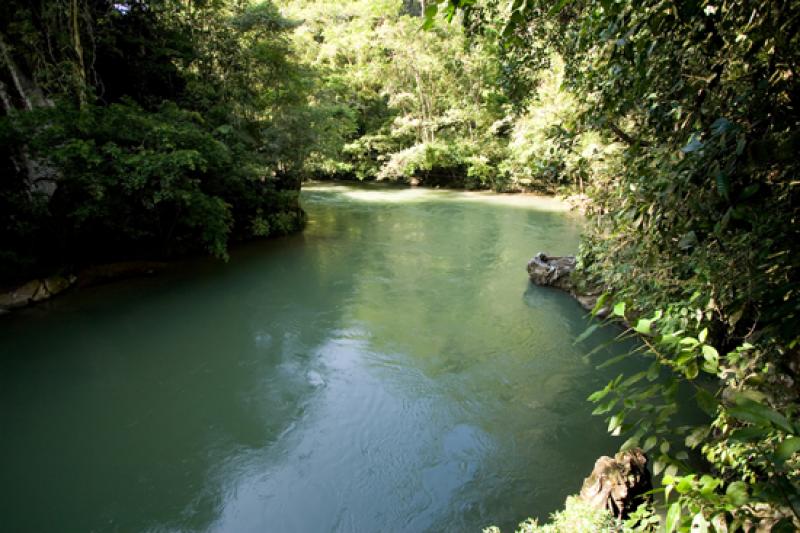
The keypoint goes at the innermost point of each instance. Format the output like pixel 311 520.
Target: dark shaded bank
pixel 16 294
pixel 122 138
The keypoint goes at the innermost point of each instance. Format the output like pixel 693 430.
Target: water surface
pixel 390 369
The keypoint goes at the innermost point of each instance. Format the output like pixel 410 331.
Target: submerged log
pixel 618 484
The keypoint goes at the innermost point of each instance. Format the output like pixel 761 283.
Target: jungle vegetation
pixel 693 231
pixel 142 128
pixel 134 129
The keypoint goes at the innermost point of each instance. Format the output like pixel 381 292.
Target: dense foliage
pixel 145 128
pixel 394 102
pixel 693 230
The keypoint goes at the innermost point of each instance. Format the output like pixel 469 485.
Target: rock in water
pixel 556 271
pixel 619 483
pixel 552 271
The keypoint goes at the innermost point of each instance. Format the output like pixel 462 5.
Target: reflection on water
pixel 388 370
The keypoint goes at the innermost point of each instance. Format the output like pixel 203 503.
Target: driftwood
pixel 618 484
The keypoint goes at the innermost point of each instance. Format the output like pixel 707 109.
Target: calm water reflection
pixel 388 370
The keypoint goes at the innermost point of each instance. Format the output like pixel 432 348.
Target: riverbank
pixel 44 288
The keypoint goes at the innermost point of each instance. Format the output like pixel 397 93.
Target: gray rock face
pixel 618 484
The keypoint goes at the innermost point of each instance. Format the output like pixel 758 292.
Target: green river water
pixel 388 370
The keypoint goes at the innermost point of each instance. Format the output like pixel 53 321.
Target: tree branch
pixel 624 136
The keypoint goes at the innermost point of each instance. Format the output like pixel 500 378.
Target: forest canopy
pixel 132 129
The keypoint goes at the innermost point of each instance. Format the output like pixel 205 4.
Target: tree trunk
pixel 41 178
pixel 14 73
pixel 80 68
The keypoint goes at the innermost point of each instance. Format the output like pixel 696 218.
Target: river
pixel 388 370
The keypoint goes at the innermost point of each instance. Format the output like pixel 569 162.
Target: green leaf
pixel 430 16
pixel 737 493
pixel 653 371
pixel 748 434
pixel 685 484
pixel 649 443
pixel 695 438
pixel 709 484
pixel 691 371
pixel 599 395
pixel 659 464
pixel 633 380
pixel 690 341
pixel 757 413
pixel 601 302
pixel 630 443
pixel 557 7
pixel 605 407
pixel 585 335
pixel 613 360
pixel 703 334
pixel 787 448
pixel 710 353
pixel 615 423
pixel 671 470
pixel 673 517
pixel 619 309
pixel 710 367
pixel 643 326
pixel 706 401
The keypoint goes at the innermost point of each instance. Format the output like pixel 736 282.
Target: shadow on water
pixel 388 370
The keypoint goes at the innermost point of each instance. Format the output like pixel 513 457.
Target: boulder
pixel 556 271
pixel 552 271
pixel 618 484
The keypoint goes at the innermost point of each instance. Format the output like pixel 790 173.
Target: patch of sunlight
pixel 393 195
pixel 524 200
pixel 379 193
